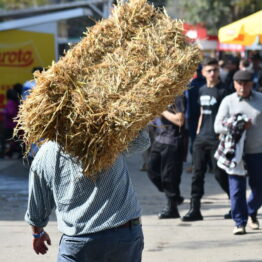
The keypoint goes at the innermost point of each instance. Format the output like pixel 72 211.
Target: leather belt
pixel 130 223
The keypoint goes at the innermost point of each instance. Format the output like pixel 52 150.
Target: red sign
pixel 16 58
pixel 195 31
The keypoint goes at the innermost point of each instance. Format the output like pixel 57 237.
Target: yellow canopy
pixel 243 31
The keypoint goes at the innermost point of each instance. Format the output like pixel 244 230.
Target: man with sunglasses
pixel 206 142
pixel 248 102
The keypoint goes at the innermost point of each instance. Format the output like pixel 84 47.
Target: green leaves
pixel 158 3
pixel 20 4
pixel 217 13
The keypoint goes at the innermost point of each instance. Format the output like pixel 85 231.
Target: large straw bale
pixel 122 74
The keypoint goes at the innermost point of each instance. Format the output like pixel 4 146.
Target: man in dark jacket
pixel 167 155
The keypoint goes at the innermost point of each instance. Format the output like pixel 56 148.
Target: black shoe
pixel 194 213
pixel 228 215
pixel 165 214
pixel 180 200
pixel 192 216
pixel 171 210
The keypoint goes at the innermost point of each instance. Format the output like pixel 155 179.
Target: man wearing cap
pixel 248 102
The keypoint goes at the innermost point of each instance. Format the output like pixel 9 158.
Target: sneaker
pixel 253 223
pixel 239 230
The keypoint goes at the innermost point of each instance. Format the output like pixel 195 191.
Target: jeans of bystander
pixel 242 208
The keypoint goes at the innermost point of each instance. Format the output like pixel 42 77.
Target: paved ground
pixel 210 240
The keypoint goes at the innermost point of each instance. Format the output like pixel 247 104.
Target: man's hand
pixel 39 244
pixel 180 119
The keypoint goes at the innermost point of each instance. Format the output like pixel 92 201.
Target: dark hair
pixel 209 61
pixel 11 94
pixel 233 60
pixel 18 88
pixel 255 56
pixel 245 62
pixel 38 68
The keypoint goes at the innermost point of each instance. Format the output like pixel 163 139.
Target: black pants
pixel 203 149
pixel 165 167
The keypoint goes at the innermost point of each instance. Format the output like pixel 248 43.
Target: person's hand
pixel 180 119
pixel 39 244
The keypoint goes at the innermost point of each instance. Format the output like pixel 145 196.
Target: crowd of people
pixel 218 120
pixel 10 146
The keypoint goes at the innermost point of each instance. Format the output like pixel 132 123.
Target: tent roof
pixel 243 31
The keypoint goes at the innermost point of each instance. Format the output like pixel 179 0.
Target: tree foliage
pixel 158 3
pixel 216 13
pixel 20 4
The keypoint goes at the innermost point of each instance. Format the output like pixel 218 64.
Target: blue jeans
pixel 237 188
pixel 241 208
pixel 113 245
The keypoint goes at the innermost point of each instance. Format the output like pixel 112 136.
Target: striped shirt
pixel 82 205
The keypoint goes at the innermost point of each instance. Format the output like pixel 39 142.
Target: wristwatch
pixel 38 235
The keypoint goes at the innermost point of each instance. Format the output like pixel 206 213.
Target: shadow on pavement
pixel 14 190
pixel 260 260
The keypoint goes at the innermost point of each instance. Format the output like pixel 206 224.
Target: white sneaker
pixel 253 223
pixel 239 230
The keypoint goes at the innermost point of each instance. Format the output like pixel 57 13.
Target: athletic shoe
pixel 253 223
pixel 239 230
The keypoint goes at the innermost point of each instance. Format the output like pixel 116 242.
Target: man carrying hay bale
pixel 96 98
pixel 99 219
pixel 87 108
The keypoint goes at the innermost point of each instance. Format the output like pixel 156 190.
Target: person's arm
pixel 177 118
pixel 199 108
pixel 199 123
pixel 40 205
pixel 222 113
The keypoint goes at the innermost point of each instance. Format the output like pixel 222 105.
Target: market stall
pixel 244 31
